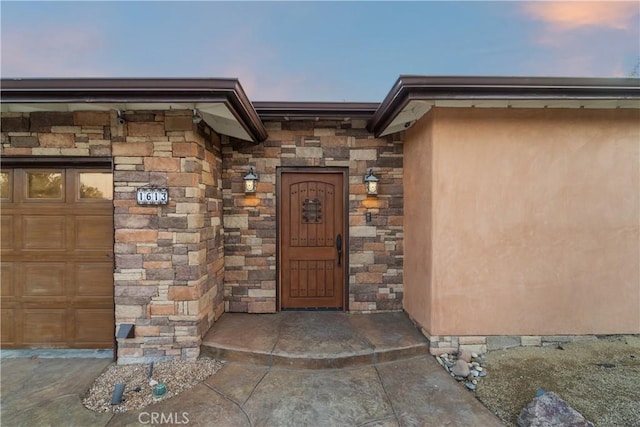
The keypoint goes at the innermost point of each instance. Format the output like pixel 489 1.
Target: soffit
pixel 221 103
pixel 317 110
pixel 413 96
pixel 415 109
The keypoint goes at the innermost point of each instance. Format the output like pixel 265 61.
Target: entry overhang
pixel 413 96
pixel 222 103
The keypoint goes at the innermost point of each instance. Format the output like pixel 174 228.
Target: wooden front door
pixel 312 240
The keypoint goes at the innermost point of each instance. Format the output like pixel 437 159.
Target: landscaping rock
pixel 464 365
pixel 464 355
pixel 460 369
pixel 606 365
pixel 177 376
pixel 549 410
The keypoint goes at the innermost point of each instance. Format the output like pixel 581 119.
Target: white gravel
pixel 178 376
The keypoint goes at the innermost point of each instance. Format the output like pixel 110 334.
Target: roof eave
pixel 408 88
pixel 122 90
pixel 317 110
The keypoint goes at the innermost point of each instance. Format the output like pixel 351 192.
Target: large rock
pixel 460 369
pixel 465 355
pixel 548 410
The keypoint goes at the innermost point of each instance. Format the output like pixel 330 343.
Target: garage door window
pixel 5 185
pixel 92 185
pixel 44 185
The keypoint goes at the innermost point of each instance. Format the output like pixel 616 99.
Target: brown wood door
pixel 312 221
pixel 57 258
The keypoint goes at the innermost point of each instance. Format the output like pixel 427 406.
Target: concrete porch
pixel 314 339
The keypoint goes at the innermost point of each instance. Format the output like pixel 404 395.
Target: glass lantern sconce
pixel 371 183
pixel 250 182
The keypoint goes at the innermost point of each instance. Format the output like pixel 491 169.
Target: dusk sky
pixel 318 51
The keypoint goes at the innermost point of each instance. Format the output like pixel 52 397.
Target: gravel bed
pixel 178 376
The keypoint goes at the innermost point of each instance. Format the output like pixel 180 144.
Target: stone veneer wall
pixel 439 344
pixel 375 249
pixel 169 260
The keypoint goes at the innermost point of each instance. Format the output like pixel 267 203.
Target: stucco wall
pixel 535 222
pixel 418 215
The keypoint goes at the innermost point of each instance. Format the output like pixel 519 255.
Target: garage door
pixel 57 258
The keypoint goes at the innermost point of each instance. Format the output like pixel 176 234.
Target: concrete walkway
pixel 411 392
pixel 375 384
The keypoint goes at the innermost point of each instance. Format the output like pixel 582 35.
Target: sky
pixel 318 51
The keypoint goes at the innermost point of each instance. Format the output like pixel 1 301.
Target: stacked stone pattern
pixel 440 344
pixel 169 260
pixel 375 249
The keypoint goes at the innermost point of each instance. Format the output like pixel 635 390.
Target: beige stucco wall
pixel 417 221
pixel 535 221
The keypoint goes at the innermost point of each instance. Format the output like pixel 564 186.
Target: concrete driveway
pixel 409 392
pixel 37 391
pixel 285 369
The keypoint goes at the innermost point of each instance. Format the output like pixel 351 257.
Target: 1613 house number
pixel 153 196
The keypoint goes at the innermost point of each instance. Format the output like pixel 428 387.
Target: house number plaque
pixel 153 196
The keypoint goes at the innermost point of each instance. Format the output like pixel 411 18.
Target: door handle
pixel 339 248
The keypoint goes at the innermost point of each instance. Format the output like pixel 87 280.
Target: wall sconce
pixel 371 183
pixel 250 182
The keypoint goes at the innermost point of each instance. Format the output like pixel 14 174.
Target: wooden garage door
pixel 57 258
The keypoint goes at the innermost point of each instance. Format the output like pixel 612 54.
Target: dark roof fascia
pixel 408 88
pixel 147 90
pixel 56 161
pixel 327 110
